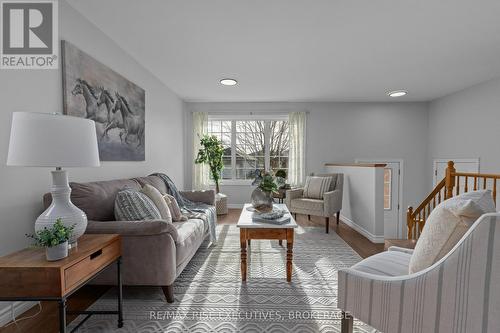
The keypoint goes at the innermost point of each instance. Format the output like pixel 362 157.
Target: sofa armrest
pixel 333 202
pixel 207 196
pixel 132 228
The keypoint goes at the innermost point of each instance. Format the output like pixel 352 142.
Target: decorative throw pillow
pixel 315 187
pixel 445 226
pixel 132 205
pixel 175 210
pixel 158 200
pixel 483 198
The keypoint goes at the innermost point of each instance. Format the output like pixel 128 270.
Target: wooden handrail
pixel 416 218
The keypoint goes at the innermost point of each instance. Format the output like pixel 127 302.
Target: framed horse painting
pixel 94 91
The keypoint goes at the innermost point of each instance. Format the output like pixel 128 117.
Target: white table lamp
pixel 54 140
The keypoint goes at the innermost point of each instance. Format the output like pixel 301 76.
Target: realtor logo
pixel 29 35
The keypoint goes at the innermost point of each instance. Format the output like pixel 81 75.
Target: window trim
pixel 267 139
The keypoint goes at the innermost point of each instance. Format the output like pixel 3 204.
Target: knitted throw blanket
pixel 192 209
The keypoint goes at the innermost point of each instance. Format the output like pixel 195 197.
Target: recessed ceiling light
pixel 397 93
pixel 228 82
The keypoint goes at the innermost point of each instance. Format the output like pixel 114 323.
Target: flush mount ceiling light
pixel 228 82
pixel 397 93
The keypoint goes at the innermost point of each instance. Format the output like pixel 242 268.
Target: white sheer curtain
pixel 296 160
pixel 200 171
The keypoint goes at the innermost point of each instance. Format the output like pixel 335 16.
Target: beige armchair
pixel 328 207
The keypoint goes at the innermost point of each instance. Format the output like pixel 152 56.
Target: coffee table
pixel 259 230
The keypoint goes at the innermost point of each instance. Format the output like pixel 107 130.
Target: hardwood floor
pixel 47 320
pixel 358 242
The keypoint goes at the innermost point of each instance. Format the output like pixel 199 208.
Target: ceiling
pixel 307 50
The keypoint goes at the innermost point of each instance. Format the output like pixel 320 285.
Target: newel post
pixel 450 179
pixel 410 222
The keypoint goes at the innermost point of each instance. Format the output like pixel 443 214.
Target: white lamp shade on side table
pixel 53 140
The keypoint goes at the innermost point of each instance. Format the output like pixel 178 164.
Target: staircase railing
pixel 453 183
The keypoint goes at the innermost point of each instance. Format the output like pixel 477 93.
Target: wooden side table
pixel 27 276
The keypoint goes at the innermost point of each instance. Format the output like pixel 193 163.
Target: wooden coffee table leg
pixel 243 242
pixel 280 242
pixel 289 254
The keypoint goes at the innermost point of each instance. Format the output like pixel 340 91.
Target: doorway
pixel 393 190
pixel 461 165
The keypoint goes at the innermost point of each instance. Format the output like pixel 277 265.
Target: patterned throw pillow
pixel 158 200
pixel 175 210
pixel 132 205
pixel 315 187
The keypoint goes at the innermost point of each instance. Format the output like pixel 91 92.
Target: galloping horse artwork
pixel 94 91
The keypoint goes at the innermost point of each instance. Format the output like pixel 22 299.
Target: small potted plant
pixel 54 239
pixel 281 178
pixel 262 196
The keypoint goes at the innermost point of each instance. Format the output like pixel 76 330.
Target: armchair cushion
pixel 307 204
pixel 446 225
pixel 315 187
pixel 389 263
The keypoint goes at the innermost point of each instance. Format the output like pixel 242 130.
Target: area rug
pixel 210 297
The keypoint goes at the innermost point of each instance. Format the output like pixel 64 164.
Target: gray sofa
pixel 154 252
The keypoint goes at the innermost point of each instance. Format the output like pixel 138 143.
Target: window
pixel 251 144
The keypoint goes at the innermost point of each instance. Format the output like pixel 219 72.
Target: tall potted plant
pixel 211 153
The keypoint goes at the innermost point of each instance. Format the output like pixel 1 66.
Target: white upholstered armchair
pixel 329 206
pixel 458 293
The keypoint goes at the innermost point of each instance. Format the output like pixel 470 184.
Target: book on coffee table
pixel 281 220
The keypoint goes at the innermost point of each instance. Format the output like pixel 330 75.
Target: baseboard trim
pixel 19 308
pixel 371 237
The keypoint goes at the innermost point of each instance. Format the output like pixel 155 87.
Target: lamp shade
pixel 52 140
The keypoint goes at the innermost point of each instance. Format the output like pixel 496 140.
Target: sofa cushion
pixel 445 226
pixel 388 263
pixel 158 200
pixel 154 181
pixel 175 210
pixel 97 199
pixel 315 187
pixel 307 204
pixel 190 235
pixel 132 205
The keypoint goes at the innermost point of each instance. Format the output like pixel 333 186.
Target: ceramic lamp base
pixel 62 207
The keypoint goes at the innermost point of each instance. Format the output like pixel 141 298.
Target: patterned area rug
pixel 211 298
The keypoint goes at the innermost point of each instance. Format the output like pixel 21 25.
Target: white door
pixel 392 227
pixel 461 165
pixel 392 208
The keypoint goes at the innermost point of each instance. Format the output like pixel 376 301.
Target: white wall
pixel 40 90
pixel 363 199
pixel 342 132
pixel 465 125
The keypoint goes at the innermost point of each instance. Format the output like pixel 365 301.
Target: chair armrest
pixel 293 194
pixel 207 196
pixel 400 249
pixel 132 228
pixel 333 202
